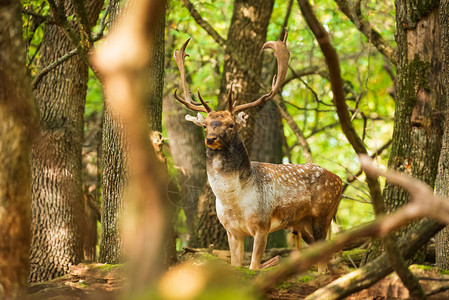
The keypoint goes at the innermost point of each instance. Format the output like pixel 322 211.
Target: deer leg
pixel 320 233
pixel 236 249
pixel 260 242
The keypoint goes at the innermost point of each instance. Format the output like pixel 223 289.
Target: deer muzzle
pixel 213 143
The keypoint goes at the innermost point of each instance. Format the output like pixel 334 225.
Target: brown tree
pixel 17 118
pixel 57 206
pixel 418 120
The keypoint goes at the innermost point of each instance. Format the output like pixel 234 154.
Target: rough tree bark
pixel 17 119
pixel 246 35
pixel 417 133
pixel 441 184
pixel 115 173
pixel 57 199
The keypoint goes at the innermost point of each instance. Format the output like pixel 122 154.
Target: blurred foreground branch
pixel 122 61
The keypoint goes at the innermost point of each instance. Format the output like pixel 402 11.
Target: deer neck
pixel 234 159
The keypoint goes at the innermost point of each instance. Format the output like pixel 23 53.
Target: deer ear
pixel 198 120
pixel 240 119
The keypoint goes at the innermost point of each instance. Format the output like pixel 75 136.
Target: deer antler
pixel 180 58
pixel 282 55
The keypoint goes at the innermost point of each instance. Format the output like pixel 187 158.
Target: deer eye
pixel 231 126
pixel 204 126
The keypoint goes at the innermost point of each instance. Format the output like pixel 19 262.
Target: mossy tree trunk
pixel 17 119
pixel 442 181
pixel 418 121
pixel 57 198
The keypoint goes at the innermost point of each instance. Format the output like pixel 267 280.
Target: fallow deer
pixel 254 198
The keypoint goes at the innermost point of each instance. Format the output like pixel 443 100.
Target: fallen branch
pixel 377 269
pixel 271 262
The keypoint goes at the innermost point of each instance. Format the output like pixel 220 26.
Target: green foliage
pixel 33 31
pixel 94 97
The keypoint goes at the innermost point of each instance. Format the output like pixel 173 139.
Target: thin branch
pixel 51 66
pixel 354 14
pixel 374 155
pixel 38 47
pixel 73 52
pixel 323 128
pixel 30 12
pixel 103 24
pixel 204 24
pixel 361 200
pixel 294 127
pixel 286 17
pixel 310 70
pixel 333 64
pixel 315 95
pixel 309 109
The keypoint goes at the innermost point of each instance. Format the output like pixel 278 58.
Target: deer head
pixel 222 126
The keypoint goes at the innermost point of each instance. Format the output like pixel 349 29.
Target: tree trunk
pixel 247 33
pixel 417 133
pixel 17 119
pixel 188 152
pixel 187 149
pixel 441 184
pixel 154 116
pixel 114 151
pixel 115 172
pixel 56 157
pixel 91 184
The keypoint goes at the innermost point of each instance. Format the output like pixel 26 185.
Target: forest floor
pixel 201 275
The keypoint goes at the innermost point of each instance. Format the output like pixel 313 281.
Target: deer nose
pixel 210 141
